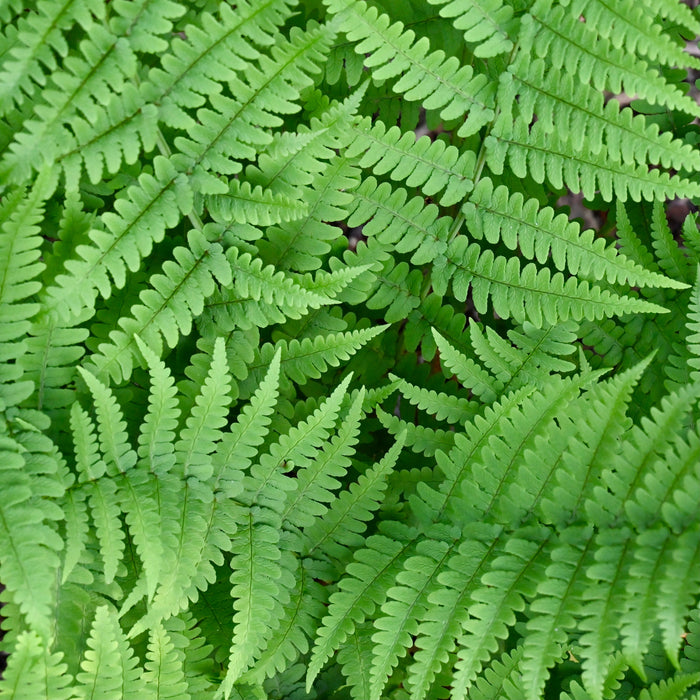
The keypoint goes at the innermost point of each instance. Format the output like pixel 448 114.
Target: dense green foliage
pixel 296 403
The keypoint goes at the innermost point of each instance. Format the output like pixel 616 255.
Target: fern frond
pixel 40 38
pixel 361 590
pixel 407 602
pixel 528 294
pixel 296 627
pixel 311 357
pixel 675 12
pixel 604 601
pixel 260 295
pixel 234 453
pixel 559 599
pixel 693 325
pixel 470 375
pixel 553 157
pixel 109 665
pixel 19 265
pixel 53 350
pixel 405 225
pixel 452 409
pixel 141 216
pixel 677 594
pixel 548 30
pixel 86 82
pixel 501 679
pixel 449 605
pixel 626 24
pixel 486 23
pixel 601 425
pixel 203 426
pixel 562 102
pixel 105 512
pixel 669 255
pixel 439 83
pixel 419 438
pixel 433 166
pixel 29 563
pixel 168 306
pixel 243 204
pixel 317 481
pixel 88 462
pixel 355 657
pixel 164 677
pixel 156 449
pixel 510 577
pixel 638 455
pixel 539 233
pixel 232 128
pixel 33 673
pixel 76 524
pixel 301 245
pixel 341 529
pixel 256 546
pixel 114 441
pixel 211 55
pixel 652 549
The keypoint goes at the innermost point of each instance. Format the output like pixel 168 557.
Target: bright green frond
pixel 538 233
pixel 488 24
pixel 360 591
pixel 440 83
pixel 109 667
pixel 433 166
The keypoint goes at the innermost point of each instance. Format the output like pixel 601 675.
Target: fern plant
pixel 311 387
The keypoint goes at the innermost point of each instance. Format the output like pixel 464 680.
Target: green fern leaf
pixel 439 83
pixel 407 601
pixel 553 157
pixel 560 596
pixel 510 577
pixel 528 294
pixel 360 591
pixel 550 31
pixel 114 441
pixel 677 594
pixel 167 307
pixel 433 166
pixel 494 215
pixel 40 37
pixel 301 244
pixel 30 564
pixel 562 102
pixel 449 605
pixel 317 481
pixel 141 216
pixel 297 625
pixel 354 659
pixel 109 665
pixel 628 25
pixel 419 438
pixel 652 549
pixel 669 255
pixel 452 409
pixel 470 375
pixel 243 204
pixel 341 529
pixel 164 678
pixel 486 23
pixel 203 426
pixel 156 449
pixel 34 674
pixel 105 511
